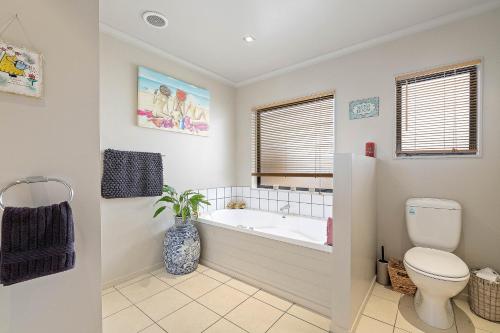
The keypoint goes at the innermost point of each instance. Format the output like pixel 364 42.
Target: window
pixel 293 142
pixel 437 111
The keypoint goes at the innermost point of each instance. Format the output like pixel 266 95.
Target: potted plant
pixel 181 251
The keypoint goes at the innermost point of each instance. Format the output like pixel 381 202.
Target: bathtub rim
pixel 314 246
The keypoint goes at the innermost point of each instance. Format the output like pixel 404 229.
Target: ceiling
pixel 208 34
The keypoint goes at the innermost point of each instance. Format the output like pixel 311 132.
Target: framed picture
pixel 364 108
pixel 170 104
pixel 20 70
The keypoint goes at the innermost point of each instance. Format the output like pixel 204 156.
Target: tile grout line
pixel 138 308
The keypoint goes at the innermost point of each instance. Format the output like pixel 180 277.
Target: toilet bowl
pixel 439 276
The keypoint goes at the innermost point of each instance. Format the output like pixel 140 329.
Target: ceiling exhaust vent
pixel 155 20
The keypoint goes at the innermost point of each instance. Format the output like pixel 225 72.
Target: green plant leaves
pixel 159 210
pixel 185 205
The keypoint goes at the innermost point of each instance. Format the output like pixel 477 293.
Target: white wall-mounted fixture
pixel 249 38
pixel 155 19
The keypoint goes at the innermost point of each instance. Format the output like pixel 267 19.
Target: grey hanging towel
pixel 129 174
pixel 36 242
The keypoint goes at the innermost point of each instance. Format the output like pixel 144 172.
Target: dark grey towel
pixel 36 242
pixel 129 174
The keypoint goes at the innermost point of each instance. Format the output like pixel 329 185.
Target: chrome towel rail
pixel 32 180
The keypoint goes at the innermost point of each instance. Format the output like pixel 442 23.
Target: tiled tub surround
pixel 301 202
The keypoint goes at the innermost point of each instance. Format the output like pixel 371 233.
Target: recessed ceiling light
pixel 155 19
pixel 249 38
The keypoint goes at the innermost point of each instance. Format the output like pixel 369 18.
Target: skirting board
pixel 336 329
pixel 127 277
pixel 273 290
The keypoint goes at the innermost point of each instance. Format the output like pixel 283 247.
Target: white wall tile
pixel 305 209
pixel 294 196
pixel 264 194
pixel 213 205
pixel 246 192
pixel 317 199
pixel 305 197
pixel 220 203
pixel 283 195
pixel 294 208
pixel 264 204
pixel 203 192
pixel 220 192
pixel 226 201
pixel 273 206
pixel 327 211
pixel 317 210
pixel 254 193
pixel 227 192
pixel 239 191
pixel 254 203
pixel 273 195
pixel 328 199
pixel 212 193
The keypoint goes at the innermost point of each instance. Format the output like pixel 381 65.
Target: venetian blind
pixel 294 139
pixel 437 111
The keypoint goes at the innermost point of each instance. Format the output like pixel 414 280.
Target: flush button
pixel 412 211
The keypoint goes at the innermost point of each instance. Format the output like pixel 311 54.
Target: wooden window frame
pixel 268 107
pixel 474 112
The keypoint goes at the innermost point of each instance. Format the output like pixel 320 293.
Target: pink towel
pixel 329 232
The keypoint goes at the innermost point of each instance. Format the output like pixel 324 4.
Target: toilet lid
pixel 436 262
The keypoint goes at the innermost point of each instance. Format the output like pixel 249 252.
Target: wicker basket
pixel 399 278
pixel 484 298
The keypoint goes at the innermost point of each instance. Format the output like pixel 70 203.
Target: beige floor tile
pixel 113 303
pixel 242 286
pixel 369 325
pixel 291 324
pixel 163 304
pixel 408 320
pixel 467 321
pixel 386 292
pixel 224 326
pixel 201 268
pixel 254 316
pixel 217 275
pixel 130 320
pixel 381 309
pixel 222 299
pixel 173 279
pixel 310 316
pixel 272 300
pixel 197 286
pixel 107 291
pixel 143 289
pixel 132 281
pixel 398 330
pixel 193 318
pixel 153 329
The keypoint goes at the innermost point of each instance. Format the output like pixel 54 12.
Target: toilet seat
pixel 436 264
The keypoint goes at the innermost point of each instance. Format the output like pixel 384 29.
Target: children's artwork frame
pixel 364 108
pixel 21 70
pixel 169 104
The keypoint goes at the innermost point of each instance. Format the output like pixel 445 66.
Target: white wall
pixel 132 240
pixel 57 135
pixel 474 182
pixel 354 238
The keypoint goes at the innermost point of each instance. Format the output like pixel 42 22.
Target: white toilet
pixel 434 227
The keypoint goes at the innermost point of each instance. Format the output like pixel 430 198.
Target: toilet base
pixel 434 311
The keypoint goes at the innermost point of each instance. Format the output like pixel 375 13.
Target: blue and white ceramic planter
pixel 181 250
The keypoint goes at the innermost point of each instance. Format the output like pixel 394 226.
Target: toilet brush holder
pixel 383 272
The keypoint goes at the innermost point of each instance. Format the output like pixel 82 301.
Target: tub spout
pixel 285 208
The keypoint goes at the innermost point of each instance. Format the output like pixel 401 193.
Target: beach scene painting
pixel 170 104
pixel 20 71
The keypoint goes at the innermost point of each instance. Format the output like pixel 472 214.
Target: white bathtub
pixel 299 230
pixel 284 256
